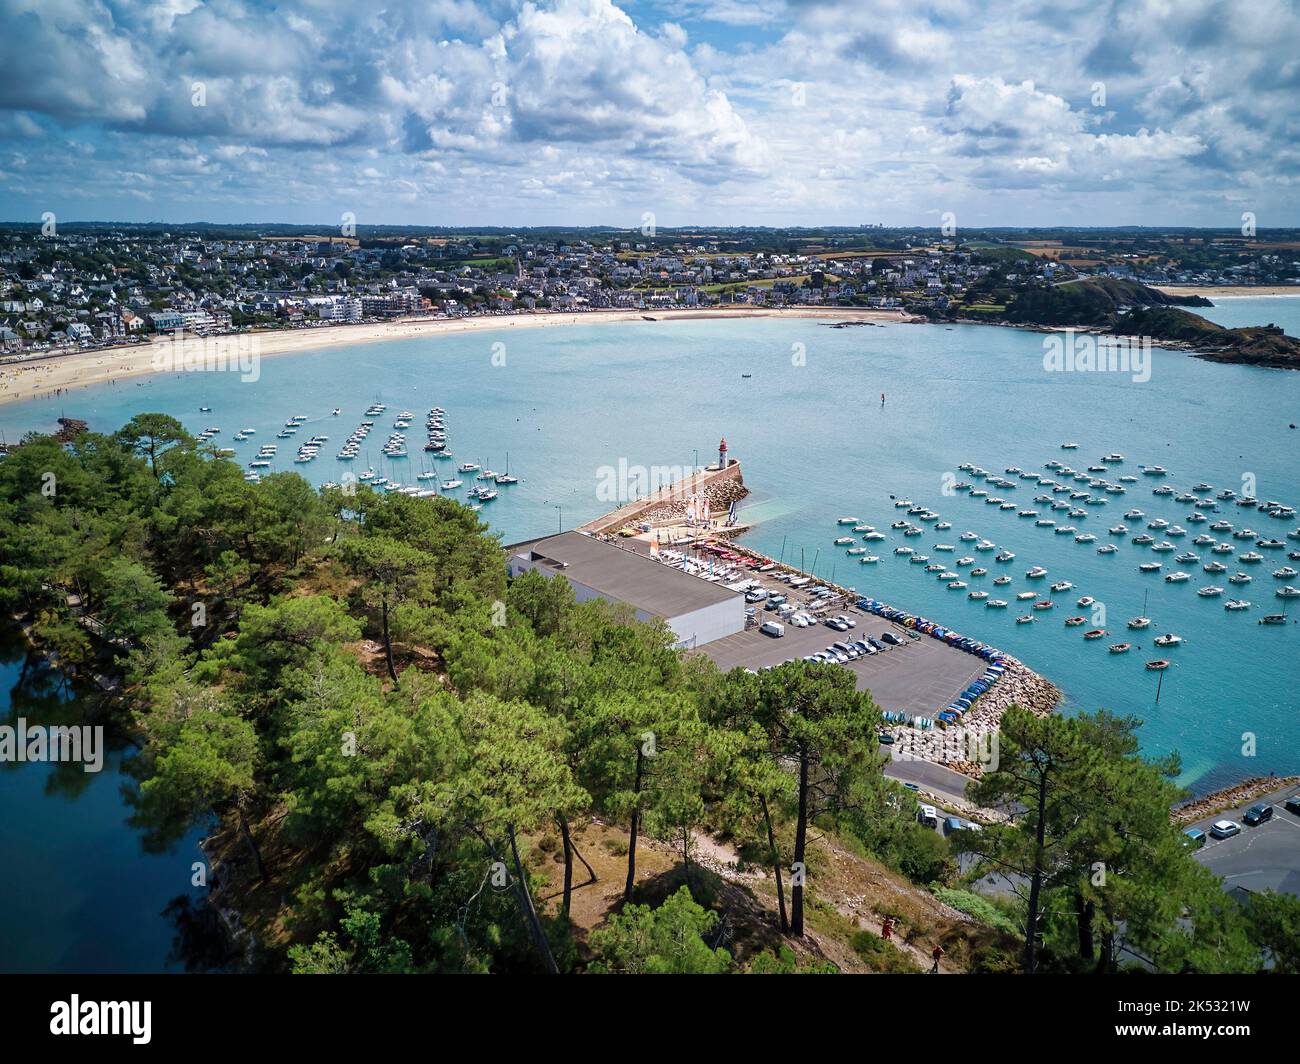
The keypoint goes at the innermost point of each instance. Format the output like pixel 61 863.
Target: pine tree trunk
pixel 568 862
pixel 800 841
pixel 252 844
pixel 526 907
pixel 1087 947
pixel 1036 880
pixel 776 864
pixel 388 641
pixel 636 823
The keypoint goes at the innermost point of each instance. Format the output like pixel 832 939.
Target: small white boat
pixel 1176 578
pixel 1109 548
pixel 1210 592
pixel 448 485
pixel 1288 592
pixel 1236 605
pixel 1240 578
pixel 1138 623
pixel 1036 572
pixel 1062 585
pixel 1169 640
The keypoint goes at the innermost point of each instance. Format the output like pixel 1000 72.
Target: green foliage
pixel 669 940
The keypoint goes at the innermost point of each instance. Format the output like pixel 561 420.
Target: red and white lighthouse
pixel 722 453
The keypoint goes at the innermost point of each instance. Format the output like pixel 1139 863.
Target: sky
pixel 671 112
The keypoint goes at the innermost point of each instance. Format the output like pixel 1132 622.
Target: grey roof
pixel 625 575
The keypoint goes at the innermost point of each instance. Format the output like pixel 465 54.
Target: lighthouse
pixel 722 453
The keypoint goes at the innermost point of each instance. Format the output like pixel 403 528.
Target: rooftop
pixel 623 574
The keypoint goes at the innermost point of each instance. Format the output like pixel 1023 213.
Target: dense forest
pixel 407 762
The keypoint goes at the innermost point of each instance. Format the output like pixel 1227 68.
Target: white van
pixel 773 629
pixel 929 816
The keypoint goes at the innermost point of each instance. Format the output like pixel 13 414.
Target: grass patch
pixel 977 907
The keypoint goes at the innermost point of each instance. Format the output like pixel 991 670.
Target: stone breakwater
pixel 721 494
pixel 952 747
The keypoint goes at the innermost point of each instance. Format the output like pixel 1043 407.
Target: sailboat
pixel 1144 621
pixel 506 478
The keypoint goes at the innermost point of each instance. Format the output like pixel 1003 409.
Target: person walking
pixel 936 953
pixel 887 929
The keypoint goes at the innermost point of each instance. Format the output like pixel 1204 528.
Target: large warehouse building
pixel 696 610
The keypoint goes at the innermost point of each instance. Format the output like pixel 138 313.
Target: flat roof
pixel 625 575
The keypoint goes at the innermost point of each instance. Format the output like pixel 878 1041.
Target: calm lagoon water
pixel 816 444
pixel 77 891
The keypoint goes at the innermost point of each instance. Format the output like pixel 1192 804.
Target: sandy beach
pixel 46 374
pixel 1228 291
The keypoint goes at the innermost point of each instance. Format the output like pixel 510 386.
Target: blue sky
pixel 766 112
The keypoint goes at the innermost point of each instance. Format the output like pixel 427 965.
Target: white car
pixel 1225 829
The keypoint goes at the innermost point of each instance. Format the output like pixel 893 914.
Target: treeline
pixel 387 731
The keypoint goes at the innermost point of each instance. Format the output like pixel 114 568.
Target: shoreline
pixel 40 376
pixel 1228 291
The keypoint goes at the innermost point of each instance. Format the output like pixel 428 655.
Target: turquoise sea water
pixel 816 444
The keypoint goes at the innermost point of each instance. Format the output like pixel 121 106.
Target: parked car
pixel 951 824
pixel 1258 814
pixel 1194 837
pixel 1292 804
pixel 1225 829
pixel 885 739
pixel 874 644
pixel 928 815
pixel 891 639
pixel 773 628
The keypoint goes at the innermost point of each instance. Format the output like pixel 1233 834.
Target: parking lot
pixel 1260 858
pixel 922 676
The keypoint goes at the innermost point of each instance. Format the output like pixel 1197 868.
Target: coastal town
pixel 91 287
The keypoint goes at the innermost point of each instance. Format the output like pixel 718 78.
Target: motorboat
pixel 844 541
pixel 1118 530
pixel 1169 640
pixel 1025 596
pixel 1120 648
pixel 1210 592
pixel 1163 547
pixel 1236 605
pixel 1223 548
pixel 1154 471
pixel 1176 578
pixel 1108 548
pixel 870 559
pixel 1026 619
pixel 1157 666
pixel 1002 581
pixel 1036 572
pixel 1005 556
pixel 1285 573
pixel 1149 567
pixel 1045 604
pixel 1288 592
pixel 1138 623
pixel 978 596
pixel 1062 585
pixel 1087 537
pixel 1251 557
pixel 1075 622
pixel 1240 578
pixel 1143 540
pixel 996 604
pixel 1214 567
pixel 1096 633
pixel 1187 558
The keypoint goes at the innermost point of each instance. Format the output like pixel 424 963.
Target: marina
pixel 798 492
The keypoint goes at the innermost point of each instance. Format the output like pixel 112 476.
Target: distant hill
pixel 1129 308
pixel 1260 345
pixel 1094 301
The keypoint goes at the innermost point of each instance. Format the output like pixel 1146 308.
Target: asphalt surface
pixel 922 676
pixel 1262 858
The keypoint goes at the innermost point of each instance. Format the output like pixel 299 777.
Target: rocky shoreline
pixel 951 747
pixel 1230 797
